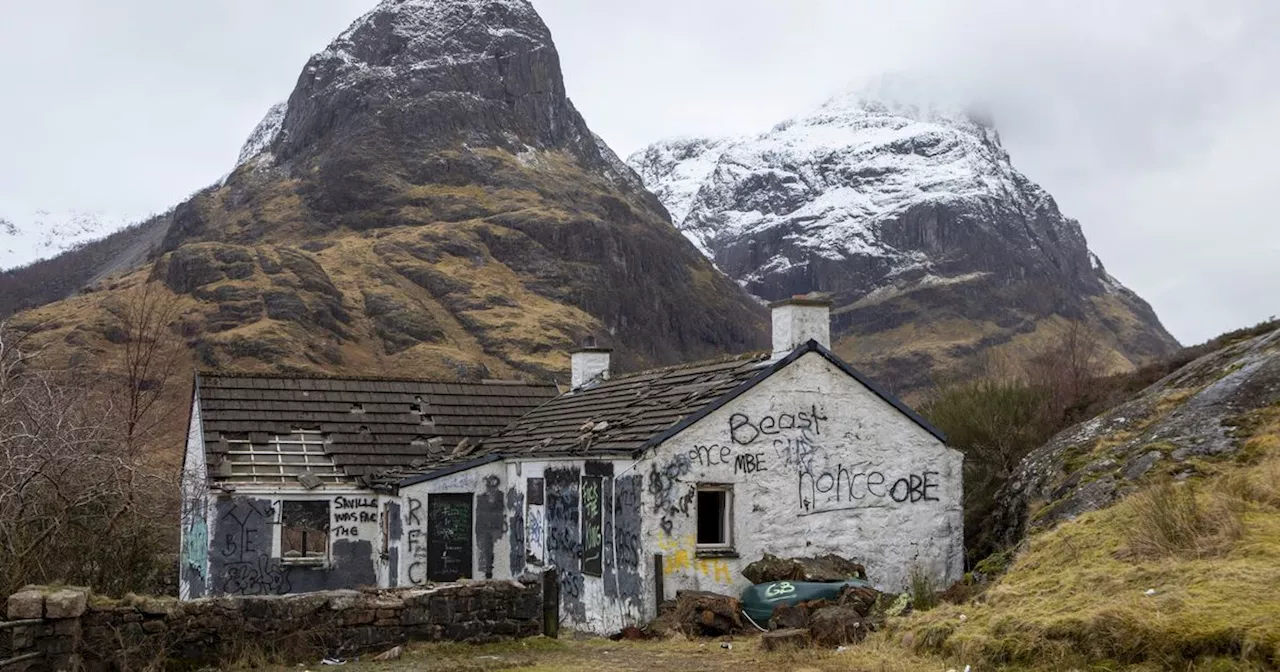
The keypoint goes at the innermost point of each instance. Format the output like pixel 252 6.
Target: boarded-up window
pixel 304 531
pixel 537 491
pixel 592 526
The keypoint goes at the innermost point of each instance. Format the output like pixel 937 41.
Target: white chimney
pixel 798 320
pixel 589 364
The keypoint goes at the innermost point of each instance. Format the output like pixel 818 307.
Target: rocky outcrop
pixel 828 567
pixel 912 216
pixel 1207 410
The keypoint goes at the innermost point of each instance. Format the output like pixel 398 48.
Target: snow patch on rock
pixel 264 134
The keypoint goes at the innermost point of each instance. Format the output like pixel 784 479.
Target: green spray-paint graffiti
pixel 196 550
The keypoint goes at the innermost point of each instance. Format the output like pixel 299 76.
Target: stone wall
pixel 72 629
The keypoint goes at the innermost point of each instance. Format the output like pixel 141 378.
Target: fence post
pixel 550 604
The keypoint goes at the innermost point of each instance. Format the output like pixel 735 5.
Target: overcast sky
pixel 1153 122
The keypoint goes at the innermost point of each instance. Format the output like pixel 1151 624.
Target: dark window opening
pixel 304 531
pixel 715 516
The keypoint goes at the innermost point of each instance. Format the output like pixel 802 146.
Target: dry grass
pixel 1179 576
pixel 676 655
pixel 1173 519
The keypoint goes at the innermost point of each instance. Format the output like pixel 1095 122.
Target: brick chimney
pixel 798 320
pixel 589 364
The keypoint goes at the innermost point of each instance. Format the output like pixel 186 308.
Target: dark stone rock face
pixel 450 112
pixel 908 217
pixel 1206 409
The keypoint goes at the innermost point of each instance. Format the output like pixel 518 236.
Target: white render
pixel 798 322
pixel 778 481
pixel 588 366
pixel 817 462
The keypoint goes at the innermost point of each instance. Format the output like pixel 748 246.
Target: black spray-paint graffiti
pixel 627 530
pixel 351 511
pixel 592 526
pixel 490 522
pixel 744 431
pixel 417 543
pixel 243 557
pixel 841 488
pixel 671 498
pixel 515 525
pixel 564 545
pixel 395 531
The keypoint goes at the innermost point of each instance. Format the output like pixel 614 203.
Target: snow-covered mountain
pixel 43 235
pixel 910 212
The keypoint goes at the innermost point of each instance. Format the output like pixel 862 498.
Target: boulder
pixel 838 625
pixel 708 614
pixel 861 600
pixel 828 567
pixel 794 616
pixel 26 604
pixel 785 640
pixel 66 603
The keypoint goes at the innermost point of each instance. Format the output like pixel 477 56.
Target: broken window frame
pixel 726 547
pixel 308 558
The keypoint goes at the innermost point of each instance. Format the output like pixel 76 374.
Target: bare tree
pixel 152 355
pixel 1068 367
pixel 80 499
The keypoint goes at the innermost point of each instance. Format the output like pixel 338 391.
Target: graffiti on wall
pixel 672 498
pixel 349 512
pixel 195 552
pixel 490 522
pixel 627 535
pixel 243 549
pixel 416 542
pixel 515 526
pixel 841 488
pixel 564 544
pixel 681 556
pixel 592 526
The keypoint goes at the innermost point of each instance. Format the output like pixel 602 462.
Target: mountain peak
pixel 430 33
pixel 897 198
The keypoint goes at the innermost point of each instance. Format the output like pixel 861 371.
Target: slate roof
pixel 372 424
pixel 619 415
pixel 623 416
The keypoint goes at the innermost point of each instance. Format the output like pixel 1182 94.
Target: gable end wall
pixel 818 464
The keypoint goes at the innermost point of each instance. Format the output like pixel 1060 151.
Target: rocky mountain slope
pixel 1186 424
pixel 912 215
pixel 429 202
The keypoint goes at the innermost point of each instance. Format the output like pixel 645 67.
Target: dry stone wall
pixel 70 629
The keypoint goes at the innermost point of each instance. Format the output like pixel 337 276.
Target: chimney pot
pixel 798 320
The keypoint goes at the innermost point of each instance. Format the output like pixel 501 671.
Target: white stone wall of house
pixel 581 517
pixel 812 463
pixel 454 527
pixel 249 554
pixel 193 570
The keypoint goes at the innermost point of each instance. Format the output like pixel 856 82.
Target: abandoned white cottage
pixel 635 486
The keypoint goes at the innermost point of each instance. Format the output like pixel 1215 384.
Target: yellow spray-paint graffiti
pixel 680 557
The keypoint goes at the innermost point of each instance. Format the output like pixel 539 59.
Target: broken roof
pixel 619 415
pixel 372 426
pixel 624 415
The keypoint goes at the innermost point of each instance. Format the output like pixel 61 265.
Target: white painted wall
pixel 414 503
pixel 797 323
pixel 194 507
pixel 861 480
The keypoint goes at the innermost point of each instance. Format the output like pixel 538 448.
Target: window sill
pixel 308 563
pixel 721 552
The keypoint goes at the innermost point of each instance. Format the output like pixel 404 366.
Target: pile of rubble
pixel 822 601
